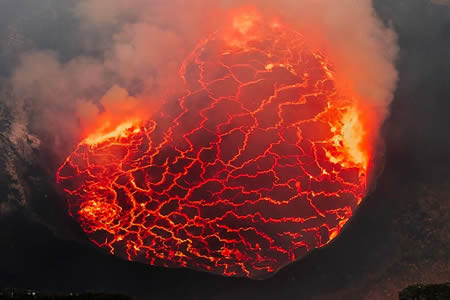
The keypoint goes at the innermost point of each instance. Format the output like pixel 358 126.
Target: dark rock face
pixel 426 292
pixel 33 295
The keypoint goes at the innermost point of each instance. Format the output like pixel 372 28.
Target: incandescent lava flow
pixel 260 162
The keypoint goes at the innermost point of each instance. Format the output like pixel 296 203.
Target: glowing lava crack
pixel 257 164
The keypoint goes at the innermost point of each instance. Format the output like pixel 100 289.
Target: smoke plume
pixel 139 45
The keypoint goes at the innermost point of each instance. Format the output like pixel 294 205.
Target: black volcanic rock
pixel 33 295
pixel 426 292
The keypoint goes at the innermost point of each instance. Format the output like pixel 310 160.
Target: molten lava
pixel 260 162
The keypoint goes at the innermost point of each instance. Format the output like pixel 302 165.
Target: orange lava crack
pixel 257 164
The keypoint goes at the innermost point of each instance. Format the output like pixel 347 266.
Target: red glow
pixel 258 163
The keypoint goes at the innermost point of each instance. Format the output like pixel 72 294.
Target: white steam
pixel 142 44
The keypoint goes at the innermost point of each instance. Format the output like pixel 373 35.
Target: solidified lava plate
pixel 257 164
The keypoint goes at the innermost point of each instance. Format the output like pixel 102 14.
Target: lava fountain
pixel 259 162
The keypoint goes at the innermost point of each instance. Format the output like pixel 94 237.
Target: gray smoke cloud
pixel 138 46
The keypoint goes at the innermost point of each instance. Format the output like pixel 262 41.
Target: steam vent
pixel 260 162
